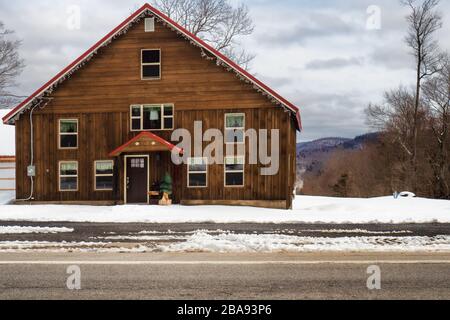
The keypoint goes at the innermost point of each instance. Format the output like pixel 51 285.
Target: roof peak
pixel 221 60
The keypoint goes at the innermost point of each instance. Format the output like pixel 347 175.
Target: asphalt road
pixel 215 276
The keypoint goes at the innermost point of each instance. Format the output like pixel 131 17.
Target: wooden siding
pixel 100 94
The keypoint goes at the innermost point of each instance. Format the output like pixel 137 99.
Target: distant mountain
pixel 321 145
pixel 311 155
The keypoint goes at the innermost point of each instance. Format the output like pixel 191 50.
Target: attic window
pixel 151 64
pixel 149 24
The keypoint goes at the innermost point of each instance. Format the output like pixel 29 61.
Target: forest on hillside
pixel 411 151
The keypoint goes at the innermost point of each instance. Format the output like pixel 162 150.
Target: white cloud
pixel 317 54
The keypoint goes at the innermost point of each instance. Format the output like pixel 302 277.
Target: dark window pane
pixel 197 179
pixel 69 184
pixel 197 167
pixel 150 72
pixel 136 124
pixel 136 111
pixel 68 126
pixel 234 167
pixel 104 183
pixel 168 111
pixel 150 56
pixel 168 123
pixel 234 179
pixel 152 118
pixel 69 141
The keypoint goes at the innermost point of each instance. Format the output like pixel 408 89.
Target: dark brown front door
pixel 137 179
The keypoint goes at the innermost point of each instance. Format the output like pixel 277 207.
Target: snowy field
pixel 306 210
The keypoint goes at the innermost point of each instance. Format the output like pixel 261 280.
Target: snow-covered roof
pixel 122 28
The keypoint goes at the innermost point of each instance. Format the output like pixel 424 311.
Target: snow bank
pixel 230 242
pixel 6 196
pixel 29 230
pixel 306 210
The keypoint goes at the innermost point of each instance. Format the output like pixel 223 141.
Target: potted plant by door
pixel 166 190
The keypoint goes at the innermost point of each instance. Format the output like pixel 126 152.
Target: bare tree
pixel 395 118
pixel 215 21
pixel 424 20
pixel 10 66
pixel 437 95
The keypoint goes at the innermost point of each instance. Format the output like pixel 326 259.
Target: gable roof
pixel 122 28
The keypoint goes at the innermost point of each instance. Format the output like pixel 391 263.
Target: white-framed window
pixel 68 176
pixel 68 134
pixel 150 24
pixel 104 175
pixel 151 64
pixel 197 172
pixel 234 171
pixel 235 128
pixel 152 117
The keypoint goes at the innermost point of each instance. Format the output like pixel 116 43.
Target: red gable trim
pixel 169 146
pixel 200 42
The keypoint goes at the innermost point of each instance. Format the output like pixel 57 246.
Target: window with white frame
pixel 151 64
pixel 150 24
pixel 150 117
pixel 235 128
pixel 197 172
pixel 68 133
pixel 104 174
pixel 68 176
pixel 234 171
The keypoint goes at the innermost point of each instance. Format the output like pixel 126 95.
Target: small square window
pixel 151 71
pixel 234 171
pixel 197 172
pixel 151 64
pixel 235 128
pixel 68 176
pixel 104 174
pixel 68 133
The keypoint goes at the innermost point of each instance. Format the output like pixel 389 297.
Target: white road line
pixel 353 262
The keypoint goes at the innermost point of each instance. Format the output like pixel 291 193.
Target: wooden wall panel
pixel 100 95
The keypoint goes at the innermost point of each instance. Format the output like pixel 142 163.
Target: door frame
pixel 126 157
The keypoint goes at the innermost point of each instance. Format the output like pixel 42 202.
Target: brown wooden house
pixel 100 131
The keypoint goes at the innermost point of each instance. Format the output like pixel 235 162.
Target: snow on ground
pixel 6 196
pixel 306 210
pixel 29 230
pixel 230 242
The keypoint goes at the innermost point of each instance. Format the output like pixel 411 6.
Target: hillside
pixel 311 155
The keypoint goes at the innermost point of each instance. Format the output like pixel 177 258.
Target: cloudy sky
pixel 331 58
